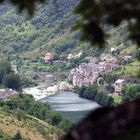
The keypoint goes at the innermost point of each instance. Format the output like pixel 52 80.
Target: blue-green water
pixel 70 105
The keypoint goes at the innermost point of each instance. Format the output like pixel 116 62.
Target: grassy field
pixel 29 127
pixel 131 69
pixel 117 100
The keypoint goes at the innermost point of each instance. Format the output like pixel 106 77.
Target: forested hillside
pixel 20 33
pixel 44 49
pixel 48 30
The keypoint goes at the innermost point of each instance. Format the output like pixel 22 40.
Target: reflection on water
pixel 70 105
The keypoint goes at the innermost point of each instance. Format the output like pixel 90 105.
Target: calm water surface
pixel 70 105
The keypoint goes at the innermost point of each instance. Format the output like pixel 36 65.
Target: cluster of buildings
pixel 87 73
pixel 7 93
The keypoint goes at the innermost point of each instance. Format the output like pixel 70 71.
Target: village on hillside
pixel 88 73
pixel 85 74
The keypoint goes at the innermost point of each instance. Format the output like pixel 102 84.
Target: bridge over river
pixel 46 76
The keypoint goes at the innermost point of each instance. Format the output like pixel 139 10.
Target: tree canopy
pixel 97 15
pixel 29 5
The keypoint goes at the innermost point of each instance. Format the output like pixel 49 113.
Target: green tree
pixel 65 125
pixel 55 118
pixel 20 115
pixel 12 81
pixel 5 68
pixel 25 4
pixel 13 103
pixel 96 16
pixel 130 92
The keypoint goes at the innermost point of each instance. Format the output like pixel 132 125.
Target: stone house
pixel 119 85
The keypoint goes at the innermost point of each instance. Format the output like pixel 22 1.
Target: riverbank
pixel 38 92
pixel 45 90
pixel 95 93
pixel 70 105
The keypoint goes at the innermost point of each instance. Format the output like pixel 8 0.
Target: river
pixel 70 105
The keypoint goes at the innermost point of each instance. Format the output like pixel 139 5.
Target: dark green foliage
pixel 39 110
pixel 65 125
pixel 24 105
pixel 25 82
pixel 21 115
pixel 109 78
pixel 12 81
pixel 25 4
pixel 131 92
pixel 5 68
pixel 12 104
pixel 56 118
pixel 138 54
pixel 95 15
pixel 7 76
pixel 19 33
pixel 110 88
pixel 93 93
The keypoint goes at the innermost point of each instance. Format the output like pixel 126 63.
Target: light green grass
pixel 131 69
pixel 117 100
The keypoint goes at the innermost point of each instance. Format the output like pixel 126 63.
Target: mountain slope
pixel 29 127
pixel 20 33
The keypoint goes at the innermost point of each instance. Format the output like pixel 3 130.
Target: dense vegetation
pixel 101 95
pixel 131 92
pixel 24 105
pixel 24 33
pixel 7 77
pixel 93 92
pixel 97 15
pixel 26 128
pixel 25 40
pixel 48 31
